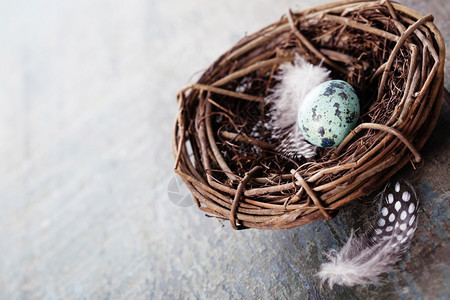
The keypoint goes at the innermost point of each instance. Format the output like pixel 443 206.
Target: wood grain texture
pixel 87 104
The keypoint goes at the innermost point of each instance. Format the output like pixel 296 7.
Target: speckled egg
pixel 328 113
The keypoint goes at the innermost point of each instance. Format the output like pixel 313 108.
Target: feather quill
pixel 296 79
pixel 363 259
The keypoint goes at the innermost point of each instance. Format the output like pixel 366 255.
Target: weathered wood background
pixel 87 103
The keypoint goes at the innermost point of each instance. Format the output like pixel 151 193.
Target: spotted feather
pixel 363 259
pixel 399 220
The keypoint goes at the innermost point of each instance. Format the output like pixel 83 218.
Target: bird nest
pixel 392 56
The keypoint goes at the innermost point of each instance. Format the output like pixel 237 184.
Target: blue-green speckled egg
pixel 328 113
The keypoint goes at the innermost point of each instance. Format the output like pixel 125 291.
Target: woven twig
pixel 392 55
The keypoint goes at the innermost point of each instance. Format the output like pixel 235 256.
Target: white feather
pixel 363 259
pixel 359 263
pixel 296 79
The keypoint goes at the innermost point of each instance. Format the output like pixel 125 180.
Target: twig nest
pixel 328 113
pixel 391 55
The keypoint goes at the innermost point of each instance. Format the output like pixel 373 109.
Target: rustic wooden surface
pixel 87 103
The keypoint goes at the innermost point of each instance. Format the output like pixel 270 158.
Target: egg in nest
pixel 328 113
